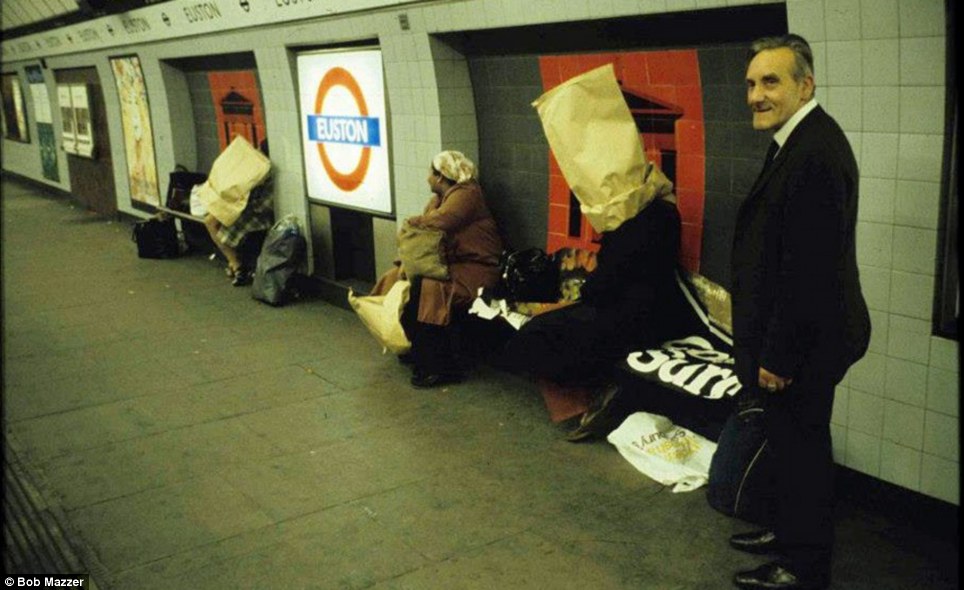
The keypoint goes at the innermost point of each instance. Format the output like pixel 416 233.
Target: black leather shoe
pixel 774 576
pixel 598 420
pixel 757 542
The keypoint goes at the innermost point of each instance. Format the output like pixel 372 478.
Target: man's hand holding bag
pixel 422 252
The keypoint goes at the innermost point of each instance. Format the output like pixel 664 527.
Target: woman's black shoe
pixel 242 277
pixel 406 358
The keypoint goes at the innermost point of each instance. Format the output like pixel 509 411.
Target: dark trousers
pixel 798 433
pixel 433 349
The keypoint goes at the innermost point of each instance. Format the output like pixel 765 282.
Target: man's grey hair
pixel 798 45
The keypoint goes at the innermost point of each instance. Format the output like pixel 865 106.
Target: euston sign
pixel 344 139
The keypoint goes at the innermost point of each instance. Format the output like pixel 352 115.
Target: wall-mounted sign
pixel 82 125
pixel 45 122
pixel 14 110
pixel 138 133
pixel 68 128
pixel 78 132
pixel 344 129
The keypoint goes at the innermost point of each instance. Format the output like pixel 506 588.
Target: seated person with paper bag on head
pixel 237 201
pixel 630 299
pixel 442 292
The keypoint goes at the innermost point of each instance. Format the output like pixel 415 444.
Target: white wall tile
pixel 906 382
pixel 806 18
pixel 900 465
pixel 920 157
pixel 881 108
pixel 863 452
pixel 942 436
pixel 880 60
pixel 915 250
pixel 879 155
pixel 941 478
pixel 681 5
pixel 909 339
pixel 944 354
pixel 875 282
pixel 865 413
pixel 922 18
pixel 878 19
pixel 843 20
pixel 879 330
pixel 653 6
pixel 943 391
pixel 917 203
pixel 910 294
pixel 869 374
pixel 875 243
pixel 876 203
pixel 904 424
pixel 922 109
pixel 845 104
pixel 600 8
pixel 922 61
pixel 844 63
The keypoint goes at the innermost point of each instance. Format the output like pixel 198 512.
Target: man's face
pixel 772 93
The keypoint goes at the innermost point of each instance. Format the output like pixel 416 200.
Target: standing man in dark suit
pixel 799 318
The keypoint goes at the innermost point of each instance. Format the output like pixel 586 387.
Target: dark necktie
pixel 771 154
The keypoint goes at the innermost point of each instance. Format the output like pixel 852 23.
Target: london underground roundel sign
pixel 344 135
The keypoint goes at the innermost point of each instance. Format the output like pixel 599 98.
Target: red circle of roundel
pixel 341 77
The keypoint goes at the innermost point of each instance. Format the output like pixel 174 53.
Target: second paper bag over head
pixel 597 145
pixel 238 169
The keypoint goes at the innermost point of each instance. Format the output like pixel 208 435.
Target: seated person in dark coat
pixel 630 301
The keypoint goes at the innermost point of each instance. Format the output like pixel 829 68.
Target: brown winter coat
pixel 473 248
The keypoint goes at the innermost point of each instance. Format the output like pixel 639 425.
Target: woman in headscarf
pixel 473 247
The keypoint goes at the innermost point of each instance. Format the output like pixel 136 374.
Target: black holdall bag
pixel 530 275
pixel 156 238
pixel 741 481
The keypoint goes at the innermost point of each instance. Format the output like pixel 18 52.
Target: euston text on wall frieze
pixel 135 24
pixel 202 12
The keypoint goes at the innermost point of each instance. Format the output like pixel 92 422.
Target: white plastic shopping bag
pixel 668 453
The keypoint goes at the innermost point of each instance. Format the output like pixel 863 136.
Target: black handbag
pixel 530 275
pixel 741 479
pixel 179 186
pixel 156 238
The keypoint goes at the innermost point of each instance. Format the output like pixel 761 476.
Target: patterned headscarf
pixel 455 166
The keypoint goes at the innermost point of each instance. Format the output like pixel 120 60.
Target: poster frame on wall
pixel 14 108
pixel 68 131
pixel 83 125
pixel 319 186
pixel 141 167
pixel 43 116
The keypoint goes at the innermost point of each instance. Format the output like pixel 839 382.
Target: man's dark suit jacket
pixel 797 303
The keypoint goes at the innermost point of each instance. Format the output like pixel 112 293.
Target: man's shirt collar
pixel 784 132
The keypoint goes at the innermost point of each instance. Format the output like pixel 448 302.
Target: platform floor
pixel 188 436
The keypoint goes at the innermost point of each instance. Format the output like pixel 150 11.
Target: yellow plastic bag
pixel 382 314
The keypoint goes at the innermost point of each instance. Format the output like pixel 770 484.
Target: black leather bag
pixel 741 481
pixel 156 238
pixel 530 275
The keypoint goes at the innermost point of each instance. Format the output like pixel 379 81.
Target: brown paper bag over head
pixel 598 148
pixel 238 169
